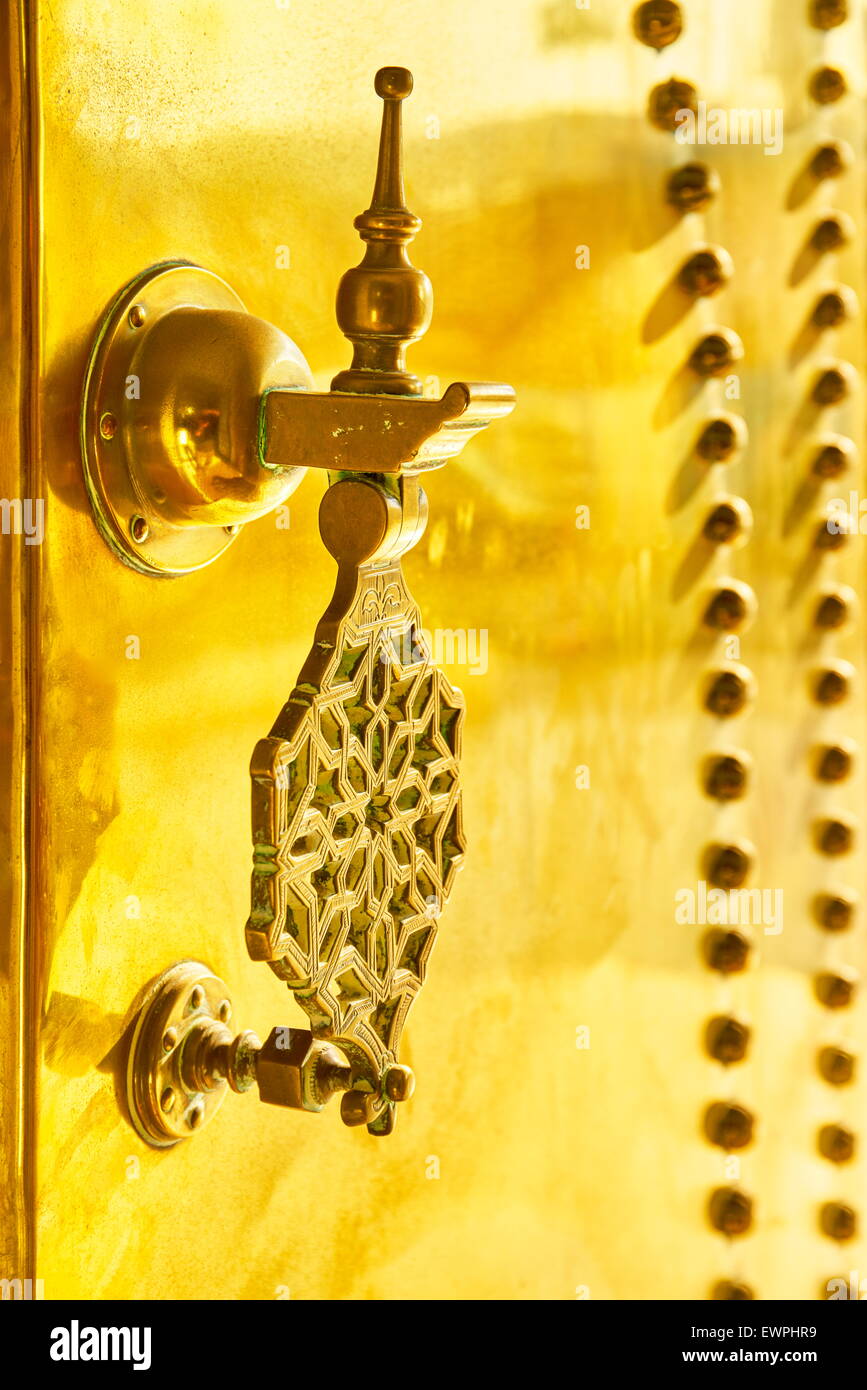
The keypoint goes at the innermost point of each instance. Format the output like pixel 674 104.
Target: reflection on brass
pixel 731 1211
pixel 691 187
pixel 727 1039
pixel 833 912
pixel 827 85
pixel 706 272
pixel 668 99
pixel 658 23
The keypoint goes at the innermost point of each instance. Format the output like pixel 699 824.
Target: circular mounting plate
pixel 130 526
pixel 162 1106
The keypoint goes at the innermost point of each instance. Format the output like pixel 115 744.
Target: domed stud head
pixel 393 83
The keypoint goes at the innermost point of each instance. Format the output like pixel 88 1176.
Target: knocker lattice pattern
pixel 357 821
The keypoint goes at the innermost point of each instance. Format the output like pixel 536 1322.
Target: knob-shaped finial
pixel 384 303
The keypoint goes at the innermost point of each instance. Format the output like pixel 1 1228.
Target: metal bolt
pixel 167 1099
pixel 136 316
pixel 170 1038
pixel 831 309
pixel 139 529
pixel 827 85
pixel 729 1126
pixel 836 1066
pixel 658 23
pixel 691 187
pixel 833 763
pixel 724 524
pixel 831 461
pixel 398 1082
pixel 831 387
pixel 668 99
pixel 108 425
pixel 831 686
pixel 833 912
pixel 836 1143
pixel 835 991
pixel 838 1220
pixel 727 1039
pixel 731 1211
pixel 833 533
pixel 727 866
pixel 716 353
pixel 224 1012
pixel 727 694
pixel 726 778
pixel 728 609
pixel 834 837
pixel 706 272
pixel 827 14
pixel 831 160
pixel 727 951
pixel 829 234
pixel 720 438
pixel 197 997
pixel 832 612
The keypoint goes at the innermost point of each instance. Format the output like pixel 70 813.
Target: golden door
pixel 638 1046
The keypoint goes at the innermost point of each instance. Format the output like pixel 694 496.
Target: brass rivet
pixel 836 1066
pixel 170 1038
pixel 827 84
pixel 832 309
pixel 197 997
pixel 726 951
pixel 706 272
pixel 720 438
pixel 832 611
pixel 727 1039
pixel 832 460
pixel 725 524
pixel 139 529
pixel 668 99
pixel 691 187
pixel 728 608
pixel 658 23
pixel 830 234
pixel 731 1211
pixel 833 762
pixel 728 693
pixel 728 1125
pixel 838 1220
pixel 831 160
pixel 728 866
pixel 833 837
pixel 732 1291
pixel 832 686
pixel 836 1143
pixel 108 425
pixel 833 912
pixel 716 353
pixel 831 387
pixel 827 14
pixel 835 991
pixel 136 316
pixel 725 778
pixel 167 1100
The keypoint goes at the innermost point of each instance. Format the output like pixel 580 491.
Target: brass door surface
pixel 556 1146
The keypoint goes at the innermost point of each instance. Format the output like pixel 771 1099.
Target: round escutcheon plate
pixel 136 533
pixel 163 1105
